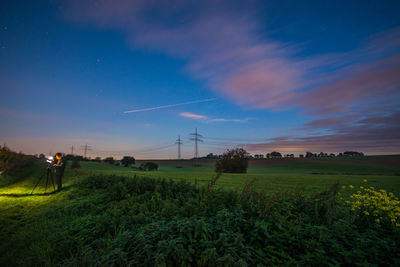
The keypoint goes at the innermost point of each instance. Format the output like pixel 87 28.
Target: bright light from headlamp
pixel 49 159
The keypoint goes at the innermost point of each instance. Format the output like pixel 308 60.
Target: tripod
pixel 49 175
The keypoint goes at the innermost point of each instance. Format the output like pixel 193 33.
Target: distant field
pixel 275 175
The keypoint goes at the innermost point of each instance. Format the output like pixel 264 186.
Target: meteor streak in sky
pixel 171 105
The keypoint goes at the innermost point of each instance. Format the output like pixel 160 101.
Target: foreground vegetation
pixel 134 220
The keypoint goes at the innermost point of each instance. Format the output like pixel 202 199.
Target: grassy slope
pixel 18 207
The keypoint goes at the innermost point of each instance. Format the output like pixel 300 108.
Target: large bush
pixel 127 160
pixel 233 161
pixel 148 166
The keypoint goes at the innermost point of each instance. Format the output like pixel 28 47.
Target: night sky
pixel 291 76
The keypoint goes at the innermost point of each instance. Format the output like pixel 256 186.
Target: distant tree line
pixel 129 160
pixel 278 155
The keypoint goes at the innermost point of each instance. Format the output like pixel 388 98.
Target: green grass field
pixel 311 176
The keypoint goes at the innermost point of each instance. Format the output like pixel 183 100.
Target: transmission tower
pixel 179 143
pixel 72 150
pixel 86 148
pixel 196 138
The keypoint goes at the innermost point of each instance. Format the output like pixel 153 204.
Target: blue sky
pixel 282 75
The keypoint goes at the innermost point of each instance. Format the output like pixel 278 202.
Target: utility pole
pixel 72 150
pixel 179 143
pixel 196 138
pixel 86 148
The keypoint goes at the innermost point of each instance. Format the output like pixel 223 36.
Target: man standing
pixel 59 166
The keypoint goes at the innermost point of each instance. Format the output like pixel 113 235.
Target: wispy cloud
pixel 171 105
pixel 228 120
pixel 192 116
pixel 210 120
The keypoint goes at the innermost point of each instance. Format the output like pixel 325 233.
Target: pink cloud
pixel 228 51
pixel 377 82
pixel 326 122
pixel 225 49
pixel 192 116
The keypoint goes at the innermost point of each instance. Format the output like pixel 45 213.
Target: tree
pixel 109 160
pixel 127 160
pixel 275 155
pixel 353 154
pixel 233 161
pixel 309 155
pixel 149 166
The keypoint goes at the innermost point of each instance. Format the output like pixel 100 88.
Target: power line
pixel 196 138
pixel 138 151
pixel 179 143
pixel 86 148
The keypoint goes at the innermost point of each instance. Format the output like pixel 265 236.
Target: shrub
pixel 148 166
pixel 374 207
pixel 233 161
pixel 127 160
pixel 75 164
pixel 11 161
pixel 109 160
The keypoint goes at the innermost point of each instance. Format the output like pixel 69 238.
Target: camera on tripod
pixel 54 171
pixel 48 174
pixel 50 160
